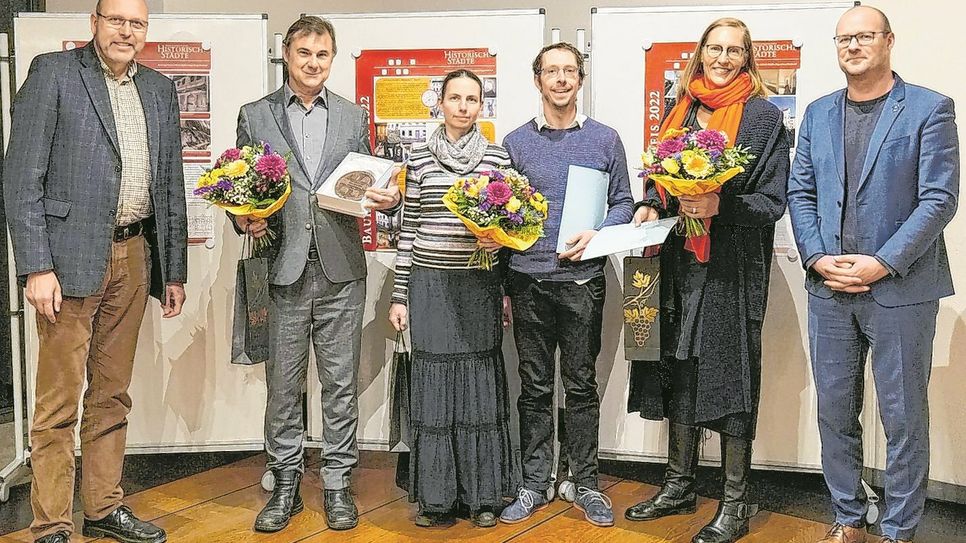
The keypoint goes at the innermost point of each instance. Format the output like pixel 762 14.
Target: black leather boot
pixel 677 496
pixel 340 509
pixel 285 503
pixel 731 522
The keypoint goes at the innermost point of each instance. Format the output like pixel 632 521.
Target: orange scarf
pixel 728 103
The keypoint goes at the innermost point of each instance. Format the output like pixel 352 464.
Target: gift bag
pixel 400 432
pixel 642 327
pixel 250 336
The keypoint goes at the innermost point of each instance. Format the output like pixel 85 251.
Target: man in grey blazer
pixel 874 182
pixel 95 201
pixel 317 275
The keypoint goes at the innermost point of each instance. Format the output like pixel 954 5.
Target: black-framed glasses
pixel 734 52
pixel 863 38
pixel 113 21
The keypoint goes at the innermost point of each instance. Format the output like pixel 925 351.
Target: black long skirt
pixel 459 403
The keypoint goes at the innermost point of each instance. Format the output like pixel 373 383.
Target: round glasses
pixel 733 52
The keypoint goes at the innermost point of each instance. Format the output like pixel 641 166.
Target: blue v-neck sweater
pixel 545 157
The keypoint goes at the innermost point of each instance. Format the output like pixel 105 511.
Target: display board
pixel 636 61
pixel 388 61
pixel 186 394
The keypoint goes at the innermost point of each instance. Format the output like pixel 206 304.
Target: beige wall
pixel 928 52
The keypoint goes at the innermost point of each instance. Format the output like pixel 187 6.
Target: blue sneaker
pixel 522 508
pixel 595 505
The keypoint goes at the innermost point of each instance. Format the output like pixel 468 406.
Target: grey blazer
pixel 301 221
pixel 62 173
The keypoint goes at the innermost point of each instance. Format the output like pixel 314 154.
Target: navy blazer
pixel 62 174
pixel 908 192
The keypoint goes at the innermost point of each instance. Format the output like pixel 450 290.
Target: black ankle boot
pixel 677 496
pixel 285 503
pixel 731 522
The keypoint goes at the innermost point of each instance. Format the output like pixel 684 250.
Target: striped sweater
pixel 431 235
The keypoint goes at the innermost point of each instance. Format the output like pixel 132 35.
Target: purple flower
pixel 484 206
pixel 497 174
pixel 224 184
pixel 712 140
pixel 515 218
pixel 267 147
pixel 271 166
pixel 670 147
pixel 498 193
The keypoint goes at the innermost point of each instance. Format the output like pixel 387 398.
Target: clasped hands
pixel 850 273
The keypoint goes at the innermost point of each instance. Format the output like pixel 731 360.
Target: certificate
pixel 625 237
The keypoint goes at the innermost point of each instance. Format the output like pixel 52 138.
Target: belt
pixel 129 231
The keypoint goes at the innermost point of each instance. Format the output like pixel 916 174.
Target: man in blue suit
pixel 874 182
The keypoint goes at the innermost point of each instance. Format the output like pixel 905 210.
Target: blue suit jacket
pixel 907 193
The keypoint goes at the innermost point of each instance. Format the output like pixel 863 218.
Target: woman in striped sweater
pixel 461 455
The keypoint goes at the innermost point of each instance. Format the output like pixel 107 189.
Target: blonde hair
pixel 695 66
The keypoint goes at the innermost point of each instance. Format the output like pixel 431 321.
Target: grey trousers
pixel 330 314
pixel 842 330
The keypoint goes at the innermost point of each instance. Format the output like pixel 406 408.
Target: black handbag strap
pixel 246 251
pixel 401 341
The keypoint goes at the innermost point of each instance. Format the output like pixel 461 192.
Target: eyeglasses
pixel 734 52
pixel 863 38
pixel 137 25
pixel 570 72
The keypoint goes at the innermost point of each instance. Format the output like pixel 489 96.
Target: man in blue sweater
pixel 557 299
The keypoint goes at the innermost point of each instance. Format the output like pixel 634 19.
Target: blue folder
pixel 585 203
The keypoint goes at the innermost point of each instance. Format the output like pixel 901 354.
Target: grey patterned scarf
pixel 463 155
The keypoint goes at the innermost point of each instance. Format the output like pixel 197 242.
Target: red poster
pixel 778 63
pixel 399 89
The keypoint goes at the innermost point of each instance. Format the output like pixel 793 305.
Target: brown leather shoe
pixel 839 533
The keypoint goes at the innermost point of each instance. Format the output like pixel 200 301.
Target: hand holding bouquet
pixel 686 163
pixel 501 205
pixel 252 180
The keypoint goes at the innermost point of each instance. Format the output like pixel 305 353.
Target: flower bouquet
pixel 252 180
pixel 693 163
pixel 499 204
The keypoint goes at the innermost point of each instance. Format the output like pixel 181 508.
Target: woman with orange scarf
pixel 714 290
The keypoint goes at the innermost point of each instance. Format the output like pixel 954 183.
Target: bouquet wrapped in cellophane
pixel 501 205
pixel 693 163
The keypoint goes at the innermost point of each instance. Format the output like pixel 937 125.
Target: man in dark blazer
pixel 95 202
pixel 873 185
pixel 317 275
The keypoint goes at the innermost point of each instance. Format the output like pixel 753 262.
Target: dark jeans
pixel 547 315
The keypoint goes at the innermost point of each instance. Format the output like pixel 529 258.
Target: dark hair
pixel 457 74
pixel 538 62
pixel 310 24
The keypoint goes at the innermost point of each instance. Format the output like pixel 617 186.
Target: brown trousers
pixel 93 338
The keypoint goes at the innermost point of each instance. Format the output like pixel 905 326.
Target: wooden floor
pixel 220 505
